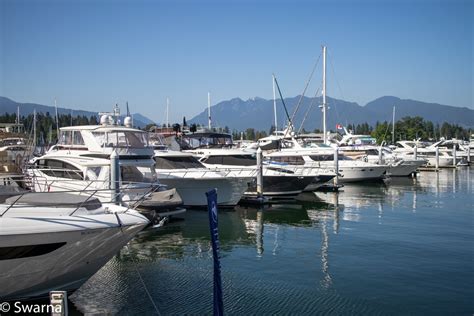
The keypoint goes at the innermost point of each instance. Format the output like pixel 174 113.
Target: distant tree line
pixel 408 128
pixel 46 125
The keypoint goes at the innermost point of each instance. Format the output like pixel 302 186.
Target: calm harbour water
pixel 405 247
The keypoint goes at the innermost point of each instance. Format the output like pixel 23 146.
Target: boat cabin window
pixel 130 174
pixel 69 138
pixel 121 139
pixel 184 162
pixel 328 157
pixel 231 160
pixel 291 160
pixel 372 152
pixel 59 169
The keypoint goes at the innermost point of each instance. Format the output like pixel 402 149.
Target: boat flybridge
pixel 364 147
pixel 81 162
pixel 216 152
pixel 56 241
pixel 192 179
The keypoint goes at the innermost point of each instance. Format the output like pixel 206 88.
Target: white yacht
pixel 56 241
pixel 192 179
pixel 278 181
pixel 215 151
pixel 81 160
pixel 423 150
pixel 364 147
pixel 322 156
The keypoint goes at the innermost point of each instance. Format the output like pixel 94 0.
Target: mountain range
pixel 9 106
pixel 258 113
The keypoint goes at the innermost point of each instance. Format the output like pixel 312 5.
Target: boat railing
pixel 91 193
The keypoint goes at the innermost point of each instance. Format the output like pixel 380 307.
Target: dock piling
pixel 437 158
pixel 336 166
pixel 115 177
pixel 454 155
pixel 259 173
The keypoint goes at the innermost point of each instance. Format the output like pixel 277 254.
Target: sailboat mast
pixel 324 95
pixel 34 129
pixel 209 110
pixel 18 119
pixel 57 119
pixel 274 103
pixel 393 125
pixel 167 111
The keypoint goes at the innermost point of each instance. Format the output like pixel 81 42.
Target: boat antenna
pixel 128 111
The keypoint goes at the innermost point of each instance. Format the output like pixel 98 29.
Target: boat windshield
pixel 69 138
pixel 231 160
pixel 208 140
pixel 131 174
pixel 121 139
pixel 185 162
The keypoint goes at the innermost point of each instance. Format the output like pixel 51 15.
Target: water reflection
pixel 277 249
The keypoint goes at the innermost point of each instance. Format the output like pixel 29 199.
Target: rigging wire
pixel 305 88
pixel 339 87
pixel 283 101
pixel 309 108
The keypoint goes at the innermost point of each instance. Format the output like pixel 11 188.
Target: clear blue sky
pixel 93 54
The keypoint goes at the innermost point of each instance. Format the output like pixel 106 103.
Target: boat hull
pixel 281 186
pixel 193 190
pixel 359 174
pixel 66 268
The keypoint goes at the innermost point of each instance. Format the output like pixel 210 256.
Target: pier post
pixel 259 173
pixel 437 158
pixel 415 151
pixel 115 177
pixel 380 156
pixel 336 165
pixel 454 155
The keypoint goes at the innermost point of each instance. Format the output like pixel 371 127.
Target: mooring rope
pixel 142 281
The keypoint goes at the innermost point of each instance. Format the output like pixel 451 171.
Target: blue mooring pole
pixel 213 226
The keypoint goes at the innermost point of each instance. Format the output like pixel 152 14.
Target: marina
pixel 401 248
pixel 342 187
pixel 305 220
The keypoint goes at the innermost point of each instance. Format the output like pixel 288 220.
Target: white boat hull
pixel 406 168
pixel 66 268
pixel 193 190
pixel 356 173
